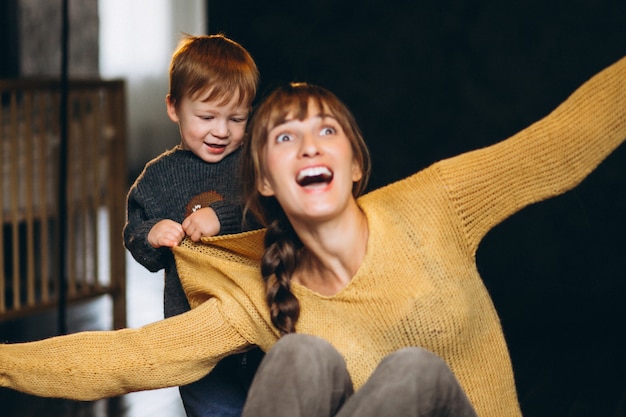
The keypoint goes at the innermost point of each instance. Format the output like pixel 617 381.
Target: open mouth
pixel 214 145
pixel 215 148
pixel 314 176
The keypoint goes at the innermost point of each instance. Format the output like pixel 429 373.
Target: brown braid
pixel 277 266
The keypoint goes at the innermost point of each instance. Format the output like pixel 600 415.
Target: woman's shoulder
pixel 421 183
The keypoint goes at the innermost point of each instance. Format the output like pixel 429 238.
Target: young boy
pixel 192 190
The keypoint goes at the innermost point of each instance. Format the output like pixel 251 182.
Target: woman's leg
pixel 301 376
pixel 410 382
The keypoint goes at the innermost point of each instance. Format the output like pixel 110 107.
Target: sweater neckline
pixel 372 243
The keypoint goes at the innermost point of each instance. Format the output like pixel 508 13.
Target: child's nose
pixel 220 129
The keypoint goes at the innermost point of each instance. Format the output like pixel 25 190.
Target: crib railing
pixel 95 195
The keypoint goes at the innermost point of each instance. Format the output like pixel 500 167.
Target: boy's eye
pixel 207 117
pixel 238 119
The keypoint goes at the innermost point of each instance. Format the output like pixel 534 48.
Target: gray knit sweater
pixel 169 187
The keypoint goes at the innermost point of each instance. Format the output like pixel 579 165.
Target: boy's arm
pixel 230 216
pixel 135 234
pixel 201 223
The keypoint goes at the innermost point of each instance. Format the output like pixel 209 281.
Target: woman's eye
pixel 328 131
pixel 283 137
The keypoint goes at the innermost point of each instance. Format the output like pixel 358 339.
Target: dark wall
pixel 431 79
pixel 9 39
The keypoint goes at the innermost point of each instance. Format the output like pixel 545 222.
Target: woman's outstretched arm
pixel 546 159
pixel 94 365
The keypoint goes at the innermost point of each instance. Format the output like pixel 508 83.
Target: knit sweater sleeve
pixel 93 365
pixel 230 216
pixel 135 233
pixel 546 159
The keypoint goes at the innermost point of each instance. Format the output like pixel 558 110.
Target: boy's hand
pixel 166 233
pixel 201 223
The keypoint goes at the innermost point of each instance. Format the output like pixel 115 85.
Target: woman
pixel 393 269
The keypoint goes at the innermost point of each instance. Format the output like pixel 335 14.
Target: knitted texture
pixel 171 186
pixel 417 286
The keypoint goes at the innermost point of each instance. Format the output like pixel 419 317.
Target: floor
pixel 144 294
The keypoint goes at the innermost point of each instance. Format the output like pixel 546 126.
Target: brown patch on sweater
pixel 202 200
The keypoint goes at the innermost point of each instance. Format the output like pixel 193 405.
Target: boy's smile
pixel 210 129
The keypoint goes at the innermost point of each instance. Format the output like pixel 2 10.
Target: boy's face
pixel 209 129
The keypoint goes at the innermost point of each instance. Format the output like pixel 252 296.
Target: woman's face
pixel 308 166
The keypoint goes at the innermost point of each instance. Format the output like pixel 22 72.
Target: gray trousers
pixel 304 376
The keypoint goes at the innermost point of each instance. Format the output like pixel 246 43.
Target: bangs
pixel 296 104
pixel 222 94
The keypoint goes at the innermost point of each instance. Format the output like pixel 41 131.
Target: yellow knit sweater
pixel 417 286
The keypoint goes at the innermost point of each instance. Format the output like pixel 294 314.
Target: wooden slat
pixel 55 128
pixel 72 246
pixel 41 191
pixel 116 202
pixel 95 103
pixel 15 197
pixel 27 192
pixel 3 277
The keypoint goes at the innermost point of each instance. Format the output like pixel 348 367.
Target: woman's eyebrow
pixel 325 116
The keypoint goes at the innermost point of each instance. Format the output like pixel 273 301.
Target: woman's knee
pixel 423 363
pixel 300 375
pixel 306 360
pixel 415 356
pixel 411 381
pixel 296 345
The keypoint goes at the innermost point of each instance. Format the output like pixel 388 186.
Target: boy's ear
pixel 170 105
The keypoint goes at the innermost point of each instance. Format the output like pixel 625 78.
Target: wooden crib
pixel 95 195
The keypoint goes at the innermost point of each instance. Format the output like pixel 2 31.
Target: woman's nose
pixel 309 145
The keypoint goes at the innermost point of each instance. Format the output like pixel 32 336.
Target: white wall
pixel 137 38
